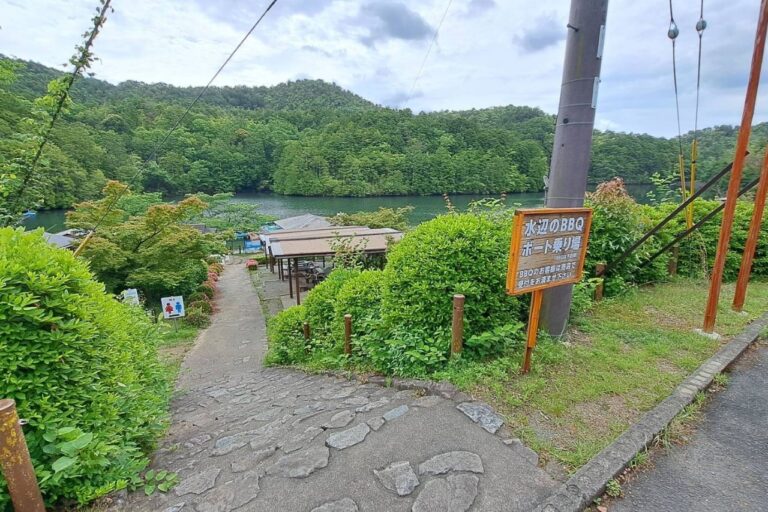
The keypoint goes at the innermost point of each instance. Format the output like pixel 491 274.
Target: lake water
pixel 425 207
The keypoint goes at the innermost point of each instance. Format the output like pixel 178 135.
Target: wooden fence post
pixel 457 327
pixel 600 288
pixel 306 330
pixel 347 333
pixel 15 462
pixel 672 266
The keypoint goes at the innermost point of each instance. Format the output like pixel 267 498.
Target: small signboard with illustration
pixel 173 307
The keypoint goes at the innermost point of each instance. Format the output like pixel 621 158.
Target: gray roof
pixel 59 240
pixel 306 221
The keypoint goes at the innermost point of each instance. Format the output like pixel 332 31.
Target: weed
pixel 721 379
pixel 613 488
pixel 639 460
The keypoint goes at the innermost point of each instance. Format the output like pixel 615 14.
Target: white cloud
pixel 482 56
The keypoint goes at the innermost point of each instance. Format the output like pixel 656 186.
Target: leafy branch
pixel 57 101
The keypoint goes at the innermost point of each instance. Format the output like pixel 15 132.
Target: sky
pixel 486 53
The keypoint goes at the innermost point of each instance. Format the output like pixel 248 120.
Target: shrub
pixel 617 222
pixel 205 305
pixel 197 316
pixel 496 342
pixel 286 339
pixel 208 289
pixel 216 267
pixel 454 253
pixel 82 368
pixel 404 351
pixel 359 296
pixel 320 305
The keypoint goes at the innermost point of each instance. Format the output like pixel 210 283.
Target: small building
pixel 62 240
pixel 306 221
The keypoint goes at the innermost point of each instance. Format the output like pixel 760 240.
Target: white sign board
pixel 131 296
pixel 173 307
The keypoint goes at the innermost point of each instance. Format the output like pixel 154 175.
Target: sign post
pixel 173 307
pixel 547 249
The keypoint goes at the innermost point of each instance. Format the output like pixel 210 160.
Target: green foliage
pixel 618 221
pixel 197 316
pixel 161 480
pixel 308 137
pixel 613 488
pixel 154 251
pixel 451 254
pixel 82 368
pixel 286 339
pixel 319 306
pixel 359 296
pixel 395 218
pixel 223 213
pixel 495 342
pixel 404 351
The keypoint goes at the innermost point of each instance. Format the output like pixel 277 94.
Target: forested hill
pixel 308 137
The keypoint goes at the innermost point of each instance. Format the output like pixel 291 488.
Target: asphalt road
pixel 725 465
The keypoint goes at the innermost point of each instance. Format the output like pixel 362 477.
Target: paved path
pixel 724 467
pixel 249 438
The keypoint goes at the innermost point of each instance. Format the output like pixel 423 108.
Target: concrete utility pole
pixel 572 150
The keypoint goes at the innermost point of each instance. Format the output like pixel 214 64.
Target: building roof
pixel 59 240
pixel 320 242
pixel 305 221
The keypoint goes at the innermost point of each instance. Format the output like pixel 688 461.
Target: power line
pixel 429 48
pixel 178 122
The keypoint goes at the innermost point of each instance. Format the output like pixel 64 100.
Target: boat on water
pixel 29 214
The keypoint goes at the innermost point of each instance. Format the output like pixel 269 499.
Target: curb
pixel 590 480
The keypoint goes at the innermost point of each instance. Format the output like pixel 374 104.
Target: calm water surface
pixel 425 207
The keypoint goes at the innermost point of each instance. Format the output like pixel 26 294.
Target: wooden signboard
pixel 548 248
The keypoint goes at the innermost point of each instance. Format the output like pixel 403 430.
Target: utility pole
pixel 572 150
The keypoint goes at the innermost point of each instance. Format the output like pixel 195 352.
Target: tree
pixel 154 251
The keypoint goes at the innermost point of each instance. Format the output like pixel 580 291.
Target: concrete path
pixel 724 467
pixel 249 438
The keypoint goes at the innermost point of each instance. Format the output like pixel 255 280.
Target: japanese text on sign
pixel 548 248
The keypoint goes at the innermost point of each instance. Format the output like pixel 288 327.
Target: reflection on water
pixel 425 207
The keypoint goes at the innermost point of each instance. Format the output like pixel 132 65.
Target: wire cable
pixel 178 122
pixel 429 50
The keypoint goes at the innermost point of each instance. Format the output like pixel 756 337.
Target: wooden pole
pixel 296 276
pixel 290 280
pixel 752 238
pixel 347 334
pixel 457 326
pixel 533 329
pixel 710 314
pixel 600 288
pixel 15 462
pixel 306 330
pixel 672 265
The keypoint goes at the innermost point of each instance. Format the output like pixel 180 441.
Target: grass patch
pixel 620 359
pixel 176 342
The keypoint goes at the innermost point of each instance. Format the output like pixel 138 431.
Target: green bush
pixel 207 289
pixel 455 253
pixel 411 351
pixel 618 222
pixel 320 306
pixel 697 251
pixel 82 368
pixel 496 342
pixel 205 305
pixel 196 316
pixel 286 338
pixel 359 296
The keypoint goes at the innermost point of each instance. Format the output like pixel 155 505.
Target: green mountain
pixel 306 137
